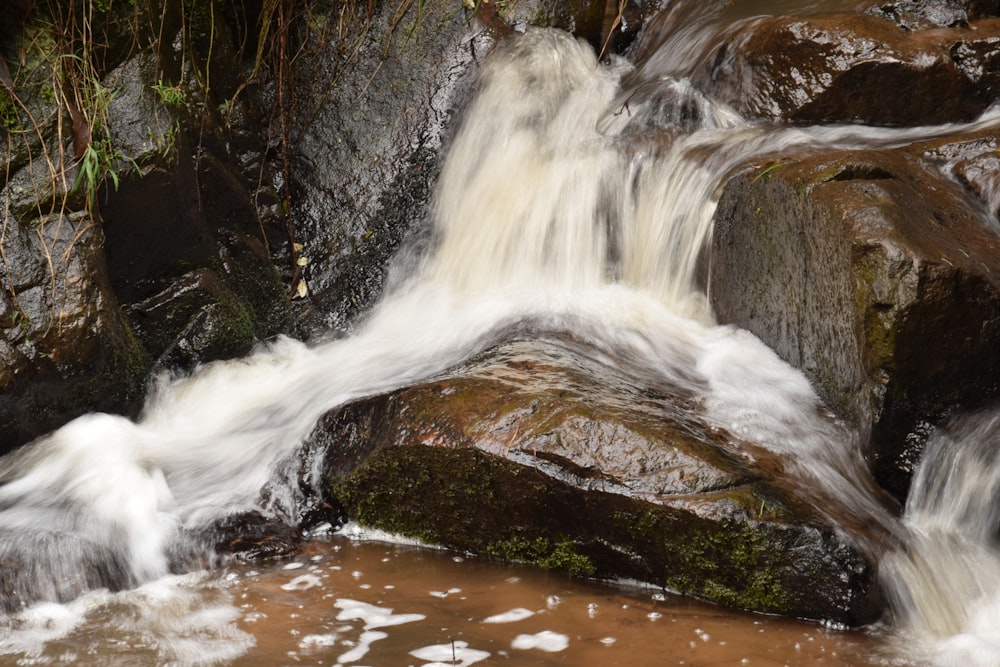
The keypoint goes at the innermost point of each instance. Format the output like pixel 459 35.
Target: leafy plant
pixel 169 96
pixel 96 152
pixel 96 164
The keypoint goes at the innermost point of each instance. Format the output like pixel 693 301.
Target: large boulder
pixel 877 276
pixel 855 68
pixel 539 452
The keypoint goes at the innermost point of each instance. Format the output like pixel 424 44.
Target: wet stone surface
pixel 537 453
pixel 876 276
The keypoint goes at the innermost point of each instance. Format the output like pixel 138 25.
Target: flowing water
pixel 560 205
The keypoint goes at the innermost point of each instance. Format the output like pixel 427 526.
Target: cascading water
pixel 945 580
pixel 564 201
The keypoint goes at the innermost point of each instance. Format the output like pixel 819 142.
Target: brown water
pixel 599 624
pixel 348 602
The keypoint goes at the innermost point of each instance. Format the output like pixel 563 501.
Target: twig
pixel 614 24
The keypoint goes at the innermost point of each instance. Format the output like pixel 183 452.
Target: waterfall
pixel 565 202
pixel 944 584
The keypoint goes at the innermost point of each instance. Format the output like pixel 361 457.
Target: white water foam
pixel 944 584
pixel 546 640
pixel 448 655
pixel 511 616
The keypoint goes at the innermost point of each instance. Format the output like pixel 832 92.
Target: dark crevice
pixel 862 172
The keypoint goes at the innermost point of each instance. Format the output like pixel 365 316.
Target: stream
pixel 558 206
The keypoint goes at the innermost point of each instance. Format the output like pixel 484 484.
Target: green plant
pixel 168 142
pixel 8 112
pixel 96 152
pixel 169 96
pixel 96 164
pixel 766 172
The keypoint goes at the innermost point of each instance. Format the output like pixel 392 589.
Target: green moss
pixel 642 525
pixel 462 499
pixel 564 557
pixel 48 94
pixel 518 549
pixel 733 565
pixel 561 556
pixel 9 116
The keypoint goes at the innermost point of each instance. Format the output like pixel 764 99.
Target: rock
pixel 982 175
pixel 251 536
pixel 537 452
pixel 921 14
pixel 185 243
pixel 56 566
pixel 841 68
pixel 66 348
pixel 877 277
pixel 609 26
pixel 369 116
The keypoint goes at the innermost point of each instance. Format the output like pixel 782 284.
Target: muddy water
pixel 344 601
pixel 516 615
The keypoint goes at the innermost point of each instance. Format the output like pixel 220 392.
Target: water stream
pixel 558 205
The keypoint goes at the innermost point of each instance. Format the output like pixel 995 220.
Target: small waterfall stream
pixel 567 201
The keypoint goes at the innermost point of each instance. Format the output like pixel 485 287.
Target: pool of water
pixel 347 601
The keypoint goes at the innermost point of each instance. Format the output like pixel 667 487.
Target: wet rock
pixel 842 68
pixel 56 566
pixel 538 452
pixel 66 349
pixel 874 274
pixel 368 117
pixel 609 26
pixel 251 536
pixel 920 14
pixel 982 175
pixel 186 246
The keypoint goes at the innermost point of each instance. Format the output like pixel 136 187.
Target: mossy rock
pixel 537 453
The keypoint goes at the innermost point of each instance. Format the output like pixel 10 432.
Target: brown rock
pixel 538 452
pixel 854 68
pixel 877 277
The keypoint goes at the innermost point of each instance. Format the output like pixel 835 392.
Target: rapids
pixel 575 199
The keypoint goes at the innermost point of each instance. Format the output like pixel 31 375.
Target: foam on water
pixel 546 640
pixel 512 616
pixel 445 655
pixel 945 584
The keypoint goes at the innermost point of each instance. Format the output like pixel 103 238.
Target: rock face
pixel 187 231
pixel 536 452
pixel 842 68
pixel 875 275
pixel 59 317
pixel 65 347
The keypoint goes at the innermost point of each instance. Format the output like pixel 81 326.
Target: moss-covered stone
pixel 491 460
